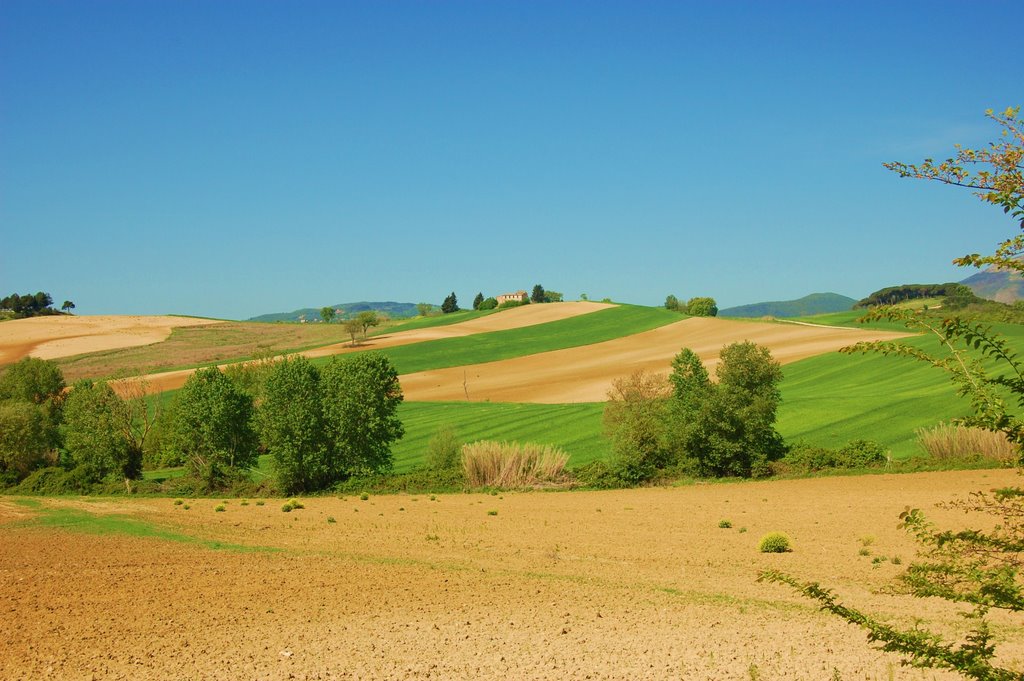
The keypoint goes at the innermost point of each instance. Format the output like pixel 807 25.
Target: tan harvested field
pixel 514 318
pixel 62 336
pixel 585 374
pixel 635 584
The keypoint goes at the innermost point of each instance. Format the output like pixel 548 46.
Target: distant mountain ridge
pixel 1003 286
pixel 312 314
pixel 815 303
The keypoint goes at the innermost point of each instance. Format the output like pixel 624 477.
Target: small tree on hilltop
pixel 327 314
pixel 538 294
pixel 424 309
pixel 671 303
pixel 702 307
pixel 450 304
pixel 68 306
pixel 478 300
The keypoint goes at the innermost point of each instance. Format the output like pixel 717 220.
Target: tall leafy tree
pixel 361 394
pixel 98 432
pixel 702 307
pixel 327 314
pixel 293 428
pixel 213 425
pixel 33 380
pixel 478 300
pixel 367 320
pixel 27 438
pixel 537 296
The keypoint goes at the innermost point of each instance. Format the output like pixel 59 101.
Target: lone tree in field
pixel 671 303
pixel 424 309
pixel 450 304
pixel 68 306
pixel 367 319
pixel 478 300
pixel 980 569
pixel 327 314
pixel 353 327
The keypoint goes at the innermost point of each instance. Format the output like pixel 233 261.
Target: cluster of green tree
pixel 450 304
pixel 320 426
pixel 542 295
pixel 32 305
pixel 893 295
pixel 696 307
pixel 689 425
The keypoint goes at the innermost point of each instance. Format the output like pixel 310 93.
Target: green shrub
pixel 861 454
pixel 444 451
pixel 775 542
pixel 296 504
pixel 364 497
pixel 331 520
pixel 220 508
pixel 287 508
pixel 492 513
pixel 725 524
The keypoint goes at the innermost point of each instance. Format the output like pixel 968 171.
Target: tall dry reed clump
pixel 951 442
pixel 511 465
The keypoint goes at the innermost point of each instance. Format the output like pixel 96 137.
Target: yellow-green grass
pixel 595 327
pixel 80 520
pixel 851 319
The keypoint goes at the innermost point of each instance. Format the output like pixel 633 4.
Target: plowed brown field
pixel 63 336
pixel 585 374
pixel 637 584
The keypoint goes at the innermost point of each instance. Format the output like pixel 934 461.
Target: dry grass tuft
pixel 953 442
pixel 512 465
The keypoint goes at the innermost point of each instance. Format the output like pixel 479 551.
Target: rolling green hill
pixel 815 303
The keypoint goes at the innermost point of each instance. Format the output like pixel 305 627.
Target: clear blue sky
pixel 233 158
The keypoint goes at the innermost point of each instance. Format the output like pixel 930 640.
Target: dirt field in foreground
pixel 63 336
pixel 638 584
pixel 585 374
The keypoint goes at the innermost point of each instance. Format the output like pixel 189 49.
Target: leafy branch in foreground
pixel 972 658
pixel 963 342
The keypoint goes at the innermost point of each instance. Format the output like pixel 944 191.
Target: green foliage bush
pixel 444 451
pixel 775 542
pixel 857 454
pixel 27 437
pixel 702 307
pixel 725 524
pixel 488 304
pixel 510 303
pixel 97 424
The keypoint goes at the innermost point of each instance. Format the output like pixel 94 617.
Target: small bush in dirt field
pixel 861 454
pixel 510 464
pixel 260 503
pixel 220 508
pixel 444 449
pixel 295 503
pixel 364 497
pixel 725 524
pixel 775 542
pixel 178 502
pixel 287 508
pixel 330 519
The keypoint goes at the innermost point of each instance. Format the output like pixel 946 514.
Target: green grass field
pixel 575 428
pixel 831 399
pixel 595 327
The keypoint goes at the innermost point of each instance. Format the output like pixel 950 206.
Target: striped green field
pixel 595 327
pixel 831 399
pixel 575 428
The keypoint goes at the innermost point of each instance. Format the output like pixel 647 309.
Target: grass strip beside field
pixel 587 329
pixel 77 520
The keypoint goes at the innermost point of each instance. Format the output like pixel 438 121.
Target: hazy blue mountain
pixel 995 284
pixel 815 303
pixel 312 314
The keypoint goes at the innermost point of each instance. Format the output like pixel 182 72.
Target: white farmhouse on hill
pixel 518 296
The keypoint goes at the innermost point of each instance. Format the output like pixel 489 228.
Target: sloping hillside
pixel 815 303
pixel 995 284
